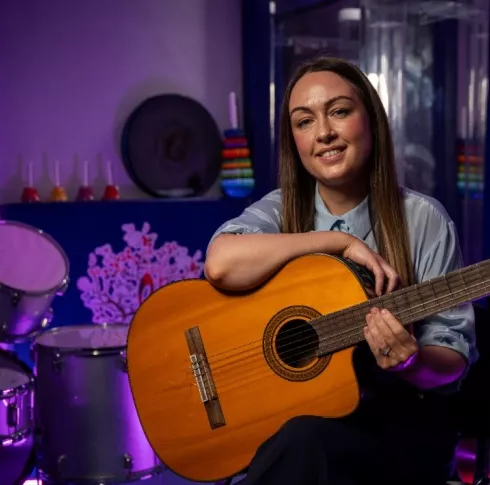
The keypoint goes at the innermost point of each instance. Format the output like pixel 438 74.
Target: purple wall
pixel 72 71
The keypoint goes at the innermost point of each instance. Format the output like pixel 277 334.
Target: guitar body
pixel 253 386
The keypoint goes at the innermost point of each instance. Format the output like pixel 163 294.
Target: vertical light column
pixel 383 60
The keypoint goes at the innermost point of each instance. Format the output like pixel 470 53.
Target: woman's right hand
pixel 385 276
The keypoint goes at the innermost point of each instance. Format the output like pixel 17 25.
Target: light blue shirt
pixel 434 248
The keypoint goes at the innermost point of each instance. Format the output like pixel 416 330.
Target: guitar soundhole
pixel 290 344
pixel 296 343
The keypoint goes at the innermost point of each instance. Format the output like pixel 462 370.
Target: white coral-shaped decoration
pixel 117 283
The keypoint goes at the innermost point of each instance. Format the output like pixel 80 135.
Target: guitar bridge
pixel 202 374
pixel 204 378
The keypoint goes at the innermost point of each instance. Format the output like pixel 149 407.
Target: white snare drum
pixel 33 270
pixel 16 420
pixel 89 429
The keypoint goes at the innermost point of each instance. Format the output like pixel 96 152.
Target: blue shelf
pixel 81 227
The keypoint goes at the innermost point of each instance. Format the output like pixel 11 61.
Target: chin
pixel 335 179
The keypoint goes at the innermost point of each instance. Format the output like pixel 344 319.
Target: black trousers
pixel 394 438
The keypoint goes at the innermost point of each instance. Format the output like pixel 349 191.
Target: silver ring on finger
pixel 385 352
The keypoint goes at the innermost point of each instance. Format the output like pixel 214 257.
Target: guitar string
pixel 220 375
pixel 222 379
pixel 217 371
pixel 342 319
pixel 390 298
pixel 345 339
pixel 223 383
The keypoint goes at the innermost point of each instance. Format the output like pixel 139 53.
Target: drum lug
pixel 124 361
pixel 31 415
pixel 128 462
pixel 63 287
pixel 60 461
pixel 12 415
pixel 14 299
pixel 48 318
pixel 57 363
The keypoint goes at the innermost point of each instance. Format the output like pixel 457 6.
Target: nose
pixel 325 132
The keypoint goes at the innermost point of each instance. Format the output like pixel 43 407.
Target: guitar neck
pixel 409 305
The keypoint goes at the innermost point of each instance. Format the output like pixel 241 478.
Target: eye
pixel 341 112
pixel 302 123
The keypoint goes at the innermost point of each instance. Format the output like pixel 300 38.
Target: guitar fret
pixel 390 303
pixel 395 310
pixel 481 278
pixel 409 305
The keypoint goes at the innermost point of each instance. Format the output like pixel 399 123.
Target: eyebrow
pixel 327 104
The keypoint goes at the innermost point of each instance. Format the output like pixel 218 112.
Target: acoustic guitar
pixel 214 374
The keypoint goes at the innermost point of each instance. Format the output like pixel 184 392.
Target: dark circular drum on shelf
pixel 171 147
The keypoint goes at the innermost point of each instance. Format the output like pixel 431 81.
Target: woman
pixel 339 195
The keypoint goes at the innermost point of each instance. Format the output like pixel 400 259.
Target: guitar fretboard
pixel 409 305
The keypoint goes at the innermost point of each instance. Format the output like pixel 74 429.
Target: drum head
pixel 171 147
pixel 11 379
pixel 85 337
pixel 30 260
pixel 17 460
pixel 13 373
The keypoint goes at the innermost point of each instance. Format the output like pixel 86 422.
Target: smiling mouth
pixel 331 153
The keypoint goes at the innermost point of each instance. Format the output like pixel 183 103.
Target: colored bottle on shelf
pixel 111 191
pixel 58 194
pixel 237 174
pixel 29 192
pixel 85 192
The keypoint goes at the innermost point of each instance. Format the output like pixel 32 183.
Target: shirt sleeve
pixel 262 217
pixel 455 328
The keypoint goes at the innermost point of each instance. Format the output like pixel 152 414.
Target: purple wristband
pixel 410 362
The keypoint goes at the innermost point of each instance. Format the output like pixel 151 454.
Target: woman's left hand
pixel 392 345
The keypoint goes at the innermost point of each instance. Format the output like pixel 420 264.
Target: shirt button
pixel 344 227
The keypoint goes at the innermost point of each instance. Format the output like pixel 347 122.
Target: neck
pixel 344 328
pixel 342 199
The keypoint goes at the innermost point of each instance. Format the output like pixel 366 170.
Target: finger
pixel 386 335
pixel 370 341
pixel 398 331
pixel 391 275
pixel 377 338
pixel 401 349
pixel 379 275
pixel 371 293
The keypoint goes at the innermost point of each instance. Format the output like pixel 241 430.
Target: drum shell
pixel 16 404
pixel 89 428
pixel 34 269
pixel 23 314
pixel 17 455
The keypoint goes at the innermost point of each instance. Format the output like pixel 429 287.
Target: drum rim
pixel 17 391
pixel 66 278
pixel 73 349
pixel 22 435
pixel 114 479
pixel 28 386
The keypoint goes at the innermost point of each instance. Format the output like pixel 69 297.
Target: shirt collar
pixel 356 221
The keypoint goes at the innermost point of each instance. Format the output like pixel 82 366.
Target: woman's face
pixel 331 129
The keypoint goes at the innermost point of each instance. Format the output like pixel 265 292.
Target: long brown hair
pixel 385 198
